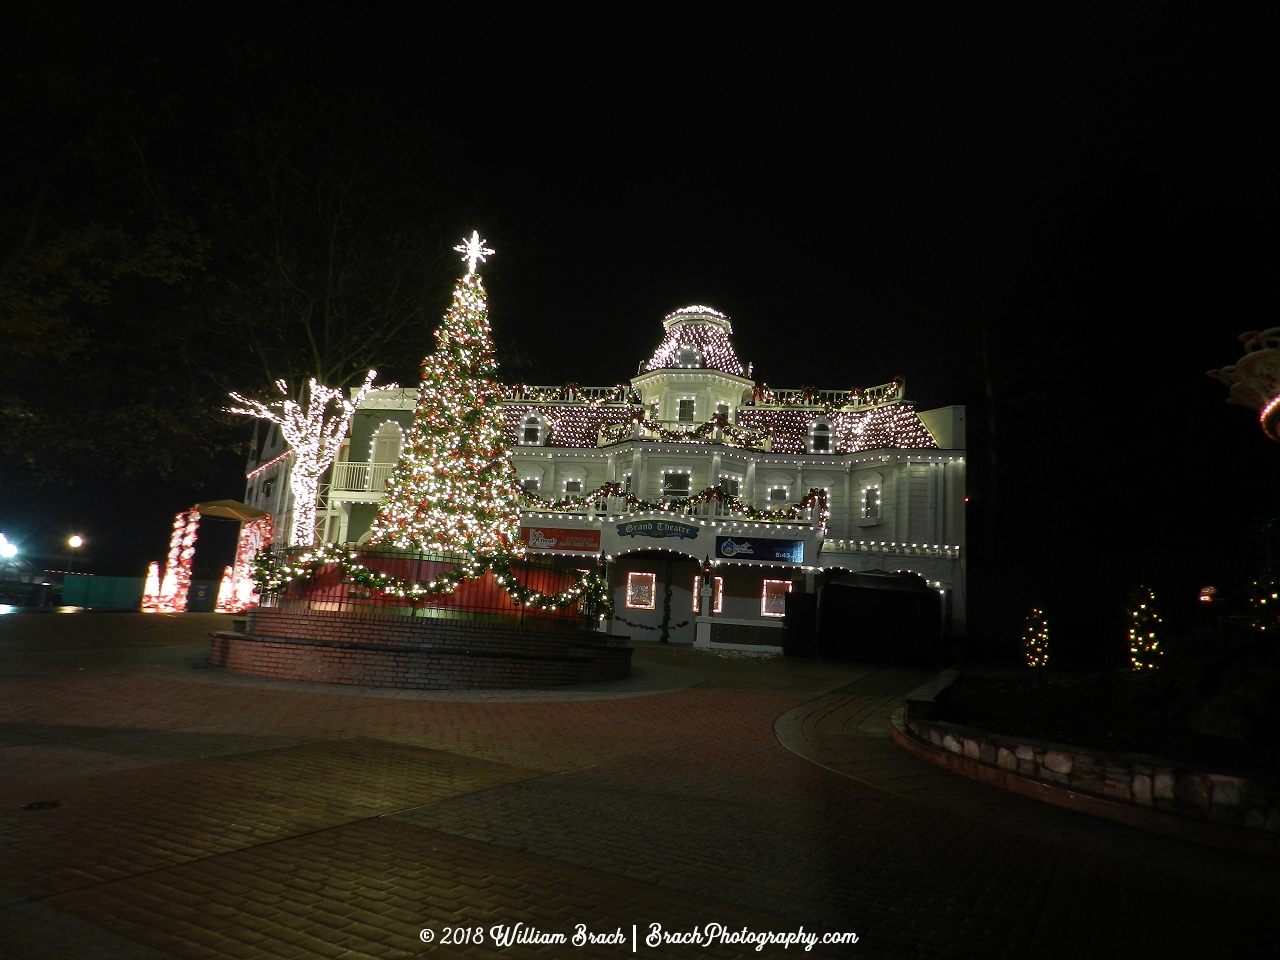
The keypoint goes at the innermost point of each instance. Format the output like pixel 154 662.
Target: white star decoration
pixel 473 250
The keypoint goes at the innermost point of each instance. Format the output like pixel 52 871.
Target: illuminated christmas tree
pixel 455 489
pixel 1035 638
pixel 1144 644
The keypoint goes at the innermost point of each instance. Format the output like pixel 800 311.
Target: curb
pixel 1197 831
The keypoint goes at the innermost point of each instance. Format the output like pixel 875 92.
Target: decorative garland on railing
pixel 737 436
pixel 868 397
pixel 733 505
pixel 273 573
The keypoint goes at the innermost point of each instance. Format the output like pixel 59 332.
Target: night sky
pixel 1091 198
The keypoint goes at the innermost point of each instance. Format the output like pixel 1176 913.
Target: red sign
pixel 556 538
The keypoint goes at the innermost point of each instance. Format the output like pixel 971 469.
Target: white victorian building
pixel 623 473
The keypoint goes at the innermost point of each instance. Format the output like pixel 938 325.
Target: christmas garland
pixel 734 505
pixel 737 436
pixel 272 575
pixel 890 392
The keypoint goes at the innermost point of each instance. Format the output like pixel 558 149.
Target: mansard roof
pixel 698 337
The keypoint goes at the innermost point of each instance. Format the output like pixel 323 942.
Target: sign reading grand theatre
pixel 658 529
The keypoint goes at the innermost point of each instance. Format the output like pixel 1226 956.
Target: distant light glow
pixel 7 550
pixel 75 542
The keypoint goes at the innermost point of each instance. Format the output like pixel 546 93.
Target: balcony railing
pixel 360 477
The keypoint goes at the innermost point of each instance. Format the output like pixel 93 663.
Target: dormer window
pixel 688 357
pixel 531 431
pixel 820 436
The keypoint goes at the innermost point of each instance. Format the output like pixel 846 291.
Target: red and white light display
pixel 172 596
pixel 238 591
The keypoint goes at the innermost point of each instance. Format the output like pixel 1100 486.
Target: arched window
pixel 820 436
pixel 531 431
pixel 386 443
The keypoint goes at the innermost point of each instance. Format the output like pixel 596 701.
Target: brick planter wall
pixel 415 652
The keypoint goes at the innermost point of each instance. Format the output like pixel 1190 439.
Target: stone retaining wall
pixel 415 652
pixel 1143 782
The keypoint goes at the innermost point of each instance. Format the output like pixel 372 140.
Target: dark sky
pixel 854 190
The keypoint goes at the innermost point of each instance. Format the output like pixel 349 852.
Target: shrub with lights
pixel 1144 627
pixel 1035 638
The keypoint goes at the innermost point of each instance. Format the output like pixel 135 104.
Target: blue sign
pixel 760 548
pixel 658 529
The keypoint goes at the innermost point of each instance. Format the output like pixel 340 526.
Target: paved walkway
pixel 203 814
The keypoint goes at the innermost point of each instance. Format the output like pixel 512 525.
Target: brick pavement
pixel 208 817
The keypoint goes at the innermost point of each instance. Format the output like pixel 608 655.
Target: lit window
pixel 820 437
pixel 531 431
pixel 717 594
pixel 729 486
pixel 641 590
pixel 530 486
pixel 676 484
pixel 871 503
pixel 777 494
pixel 685 414
pixel 572 488
pixel 773 599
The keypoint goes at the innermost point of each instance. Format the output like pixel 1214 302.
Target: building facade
pixel 694 466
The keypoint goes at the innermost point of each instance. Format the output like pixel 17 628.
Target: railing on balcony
pixel 862 398
pixel 360 477
pixel 569 393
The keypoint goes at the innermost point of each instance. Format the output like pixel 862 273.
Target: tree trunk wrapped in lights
pixel 313 435
pixel 455 490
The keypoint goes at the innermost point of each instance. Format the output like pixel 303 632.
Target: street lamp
pixel 75 542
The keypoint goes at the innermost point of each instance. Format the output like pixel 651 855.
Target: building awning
pixel 229 510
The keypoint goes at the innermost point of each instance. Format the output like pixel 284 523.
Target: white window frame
pixel 728 408
pixel 828 432
pixel 537 484
pixel 673 472
pixel 717 594
pixel 526 424
pixel 863 508
pixel 785 495
pixel 764 597
pixel 374 439
pixel 737 481
pixel 693 412
pixel 635 576
pixel 626 483
pixel 564 486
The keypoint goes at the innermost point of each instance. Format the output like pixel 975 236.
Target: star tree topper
pixel 473 250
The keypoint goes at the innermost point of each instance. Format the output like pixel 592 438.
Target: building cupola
pixel 697 338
